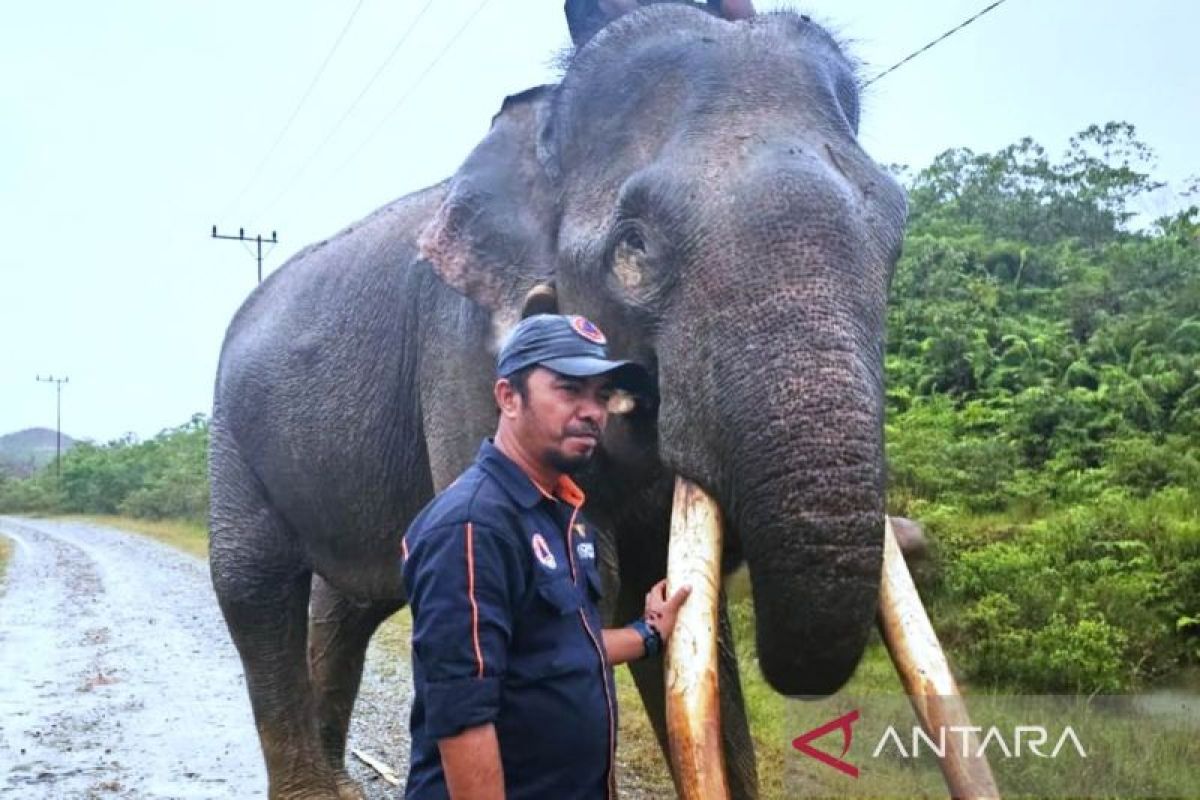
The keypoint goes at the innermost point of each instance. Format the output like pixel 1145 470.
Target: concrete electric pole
pixel 242 237
pixel 58 384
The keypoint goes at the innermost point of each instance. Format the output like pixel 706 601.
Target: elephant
pixel 693 184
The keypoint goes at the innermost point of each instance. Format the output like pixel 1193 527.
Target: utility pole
pixel 58 384
pixel 241 237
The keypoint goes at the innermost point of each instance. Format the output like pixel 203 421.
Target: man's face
pixel 562 418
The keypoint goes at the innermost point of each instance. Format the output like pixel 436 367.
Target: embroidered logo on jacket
pixel 586 550
pixel 542 551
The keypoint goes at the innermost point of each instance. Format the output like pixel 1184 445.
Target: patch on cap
pixel 585 328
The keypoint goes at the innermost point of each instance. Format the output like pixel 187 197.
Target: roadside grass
pixel 641 760
pixel 6 548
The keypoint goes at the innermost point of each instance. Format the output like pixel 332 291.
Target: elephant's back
pixel 316 387
pixel 375 254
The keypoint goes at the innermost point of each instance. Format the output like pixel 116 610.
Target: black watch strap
pixel 651 639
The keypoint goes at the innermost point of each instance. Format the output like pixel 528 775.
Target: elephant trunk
pixel 805 491
pixel 792 450
pixel 772 400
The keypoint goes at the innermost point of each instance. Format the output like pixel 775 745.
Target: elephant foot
pixel 348 788
pixel 325 792
pixel 338 786
pixel 314 782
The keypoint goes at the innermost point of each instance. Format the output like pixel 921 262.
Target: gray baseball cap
pixel 569 345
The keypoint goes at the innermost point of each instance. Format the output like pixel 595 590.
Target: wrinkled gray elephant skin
pixel 695 187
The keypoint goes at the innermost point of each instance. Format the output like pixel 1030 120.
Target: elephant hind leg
pixel 340 629
pixel 262 584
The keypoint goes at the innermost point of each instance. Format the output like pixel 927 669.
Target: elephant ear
pixel 492 237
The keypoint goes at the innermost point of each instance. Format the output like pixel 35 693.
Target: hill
pixel 25 452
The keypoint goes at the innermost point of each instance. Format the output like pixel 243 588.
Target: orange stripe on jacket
pixel 471 597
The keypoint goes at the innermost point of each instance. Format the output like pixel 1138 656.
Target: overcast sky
pixel 128 128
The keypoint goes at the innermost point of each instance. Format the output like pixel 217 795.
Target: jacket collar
pixel 520 486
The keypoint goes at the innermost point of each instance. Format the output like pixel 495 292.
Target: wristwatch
pixel 651 638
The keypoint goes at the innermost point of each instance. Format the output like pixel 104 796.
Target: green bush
pixel 30 495
pixel 1087 599
pixel 176 493
pixel 1145 465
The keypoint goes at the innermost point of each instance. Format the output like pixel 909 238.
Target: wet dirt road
pixel 118 677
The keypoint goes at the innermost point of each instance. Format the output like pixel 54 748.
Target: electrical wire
pixel 295 112
pixel 411 89
pixel 941 38
pixel 337 125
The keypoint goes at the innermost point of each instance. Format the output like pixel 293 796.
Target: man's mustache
pixel 584 430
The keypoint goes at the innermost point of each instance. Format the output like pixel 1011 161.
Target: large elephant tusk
pixel 693 706
pixel 926 675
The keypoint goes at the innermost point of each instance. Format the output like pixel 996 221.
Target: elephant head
pixel 694 185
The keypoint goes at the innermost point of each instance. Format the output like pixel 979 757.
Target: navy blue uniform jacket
pixel 503 584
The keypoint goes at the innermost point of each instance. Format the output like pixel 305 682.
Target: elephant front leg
pixel 263 586
pixel 268 623
pixel 737 744
pixel 340 628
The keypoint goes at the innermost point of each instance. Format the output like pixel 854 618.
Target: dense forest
pixel 1044 412
pixel 1043 399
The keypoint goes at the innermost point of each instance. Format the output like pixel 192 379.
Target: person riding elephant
pixel 694 185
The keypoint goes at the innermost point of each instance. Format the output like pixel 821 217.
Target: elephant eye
pixel 629 256
pixel 633 239
pixel 629 261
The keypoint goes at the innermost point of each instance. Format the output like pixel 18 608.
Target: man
pixel 512 673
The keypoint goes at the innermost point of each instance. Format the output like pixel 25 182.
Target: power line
pixel 295 113
pixel 408 93
pixel 337 125
pixel 941 38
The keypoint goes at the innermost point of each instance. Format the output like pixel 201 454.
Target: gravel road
pixel 118 677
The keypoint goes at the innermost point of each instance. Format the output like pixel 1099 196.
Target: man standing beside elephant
pixel 511 668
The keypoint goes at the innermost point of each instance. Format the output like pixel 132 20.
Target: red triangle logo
pixel 843 723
